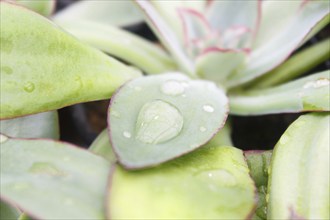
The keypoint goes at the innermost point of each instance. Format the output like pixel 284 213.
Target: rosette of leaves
pixel 154 119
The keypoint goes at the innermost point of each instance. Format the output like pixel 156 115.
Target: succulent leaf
pixel 309 93
pixel 8 212
pixel 42 125
pixel 209 183
pixel 169 115
pixel 114 12
pixel 291 26
pixel 299 171
pixel 102 146
pixel 42 177
pixel 46 69
pixel 45 7
pixel 122 44
pixel 259 162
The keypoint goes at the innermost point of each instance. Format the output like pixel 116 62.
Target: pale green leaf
pixel 168 115
pixel 42 125
pixel 43 7
pixel 310 93
pixel 122 44
pixel 43 68
pixel 284 32
pixel 209 183
pixel 297 65
pixel 299 171
pixel 53 180
pixel 113 12
pixel 167 35
pixel 102 146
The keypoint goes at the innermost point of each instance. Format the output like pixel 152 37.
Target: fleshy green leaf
pixel 7 212
pixel 43 68
pixel 102 146
pixel 297 65
pixel 167 35
pixel 43 7
pixel 210 183
pixel 259 162
pixel 42 125
pixel 279 35
pixel 168 115
pixel 310 93
pixel 114 12
pixel 223 137
pixel 299 175
pixel 24 217
pixel 122 44
pixel 52 180
pixel 218 65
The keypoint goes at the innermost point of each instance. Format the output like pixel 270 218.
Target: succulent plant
pixel 167 150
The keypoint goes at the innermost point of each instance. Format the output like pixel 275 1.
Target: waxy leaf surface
pixel 52 180
pixel 43 68
pixel 311 93
pixel 102 146
pixel 44 7
pixel 8 212
pixel 168 115
pixel 300 170
pixel 41 125
pixel 209 183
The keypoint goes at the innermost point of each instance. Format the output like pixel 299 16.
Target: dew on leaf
pixel 172 87
pixel 217 178
pixel 3 138
pixel 127 134
pixel 29 87
pixel 317 84
pixel 45 168
pixel 202 129
pixel 208 108
pixel 158 121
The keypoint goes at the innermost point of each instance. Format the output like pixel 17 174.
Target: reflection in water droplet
pixel 3 138
pixel 317 84
pixel 29 87
pixel 172 87
pixel 45 168
pixel 7 70
pixel 158 121
pixel 115 113
pixel 208 108
pixel 217 178
pixel 202 129
pixel 126 134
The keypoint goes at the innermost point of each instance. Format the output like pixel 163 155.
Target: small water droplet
pixel 317 84
pixel 208 108
pixel 7 70
pixel 45 168
pixel 115 113
pixel 284 139
pixel 3 138
pixel 217 178
pixel 127 134
pixel 172 87
pixel 202 129
pixel 29 87
pixel 158 121
pixel 184 95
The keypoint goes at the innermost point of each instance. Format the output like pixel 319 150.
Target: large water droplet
pixel 172 87
pixel 45 168
pixel 208 108
pixel 317 84
pixel 3 138
pixel 29 87
pixel 6 69
pixel 158 121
